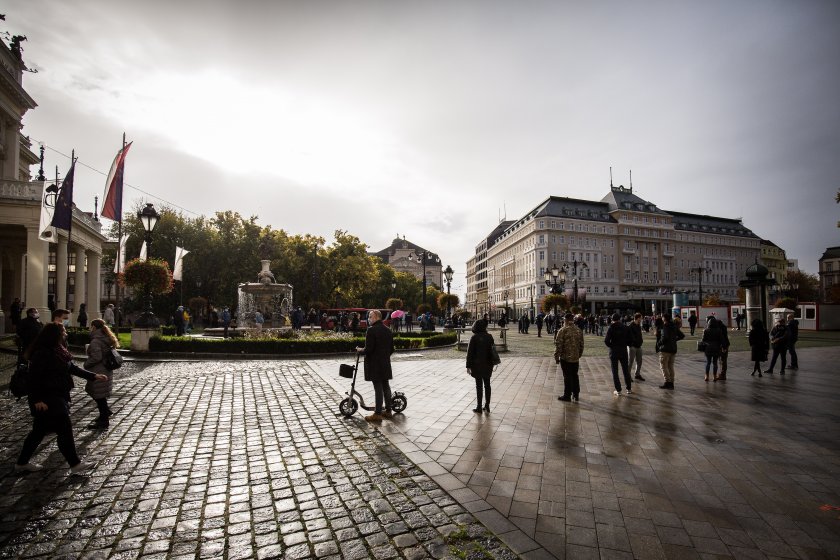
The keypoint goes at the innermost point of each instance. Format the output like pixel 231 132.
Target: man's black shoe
pixel 564 398
pixel 639 377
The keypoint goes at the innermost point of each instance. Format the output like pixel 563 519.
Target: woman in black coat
pixel 379 345
pixel 480 362
pixel 759 345
pixel 50 382
pixel 714 343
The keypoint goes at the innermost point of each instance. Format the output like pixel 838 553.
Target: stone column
pixel 37 261
pixel 61 274
pixel 93 297
pixel 79 277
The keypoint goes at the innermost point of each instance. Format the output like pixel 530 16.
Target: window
pixel 562 239
pixel 542 224
pixel 542 255
pixel 542 290
pixel 553 226
pixel 542 238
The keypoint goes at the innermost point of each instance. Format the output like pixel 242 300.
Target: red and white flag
pixel 112 205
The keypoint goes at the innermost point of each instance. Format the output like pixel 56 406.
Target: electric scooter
pixel 349 406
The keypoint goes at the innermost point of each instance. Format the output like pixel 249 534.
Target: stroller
pixel 349 406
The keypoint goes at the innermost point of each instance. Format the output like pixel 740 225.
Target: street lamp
pixel 149 218
pixel 699 270
pixel 394 288
pixel 505 294
pixel 109 283
pixel 531 306
pixel 574 267
pixel 447 274
pixel 556 279
pixel 423 257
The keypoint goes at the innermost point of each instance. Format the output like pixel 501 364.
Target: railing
pixel 21 190
pixel 464 341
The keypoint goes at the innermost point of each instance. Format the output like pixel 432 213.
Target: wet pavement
pixel 251 460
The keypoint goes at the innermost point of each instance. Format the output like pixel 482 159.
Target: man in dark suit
pixel 379 345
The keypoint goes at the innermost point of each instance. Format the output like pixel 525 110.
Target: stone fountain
pixel 268 297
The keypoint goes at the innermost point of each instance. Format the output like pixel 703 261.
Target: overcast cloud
pixel 426 118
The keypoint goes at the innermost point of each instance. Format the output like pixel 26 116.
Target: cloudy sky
pixel 430 119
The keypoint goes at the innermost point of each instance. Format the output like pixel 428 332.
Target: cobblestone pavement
pixel 227 460
pixel 747 468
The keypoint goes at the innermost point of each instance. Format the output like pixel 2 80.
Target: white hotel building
pixel 628 254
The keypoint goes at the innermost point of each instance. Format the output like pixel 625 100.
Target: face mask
pixel 66 322
pixel 36 315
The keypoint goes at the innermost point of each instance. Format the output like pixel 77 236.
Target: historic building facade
pixel 829 273
pixel 774 258
pixel 622 252
pixel 31 269
pixel 405 256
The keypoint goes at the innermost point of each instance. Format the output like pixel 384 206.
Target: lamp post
pixel 699 270
pixel 394 288
pixel 447 274
pixel 531 306
pixel 423 257
pixel 149 218
pixel 574 266
pixel 556 279
pixel 108 285
pixel 505 294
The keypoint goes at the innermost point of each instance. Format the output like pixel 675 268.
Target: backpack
pixel 19 383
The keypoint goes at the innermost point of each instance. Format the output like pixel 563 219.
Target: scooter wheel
pixel 399 403
pixel 348 407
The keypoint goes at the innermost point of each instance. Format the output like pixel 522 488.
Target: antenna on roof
pixel 631 181
pixel 611 183
pixel 504 205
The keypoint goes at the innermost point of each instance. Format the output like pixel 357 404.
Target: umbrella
pixel 397 314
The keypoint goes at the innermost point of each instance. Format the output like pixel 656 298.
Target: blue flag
pixel 63 215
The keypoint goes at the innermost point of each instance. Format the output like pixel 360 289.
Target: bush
pixel 283 346
pixel 79 337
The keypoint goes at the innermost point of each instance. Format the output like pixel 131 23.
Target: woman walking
pixel 480 363
pixel 714 342
pixel 759 345
pixel 102 340
pixel 50 382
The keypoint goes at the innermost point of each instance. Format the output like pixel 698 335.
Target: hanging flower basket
pixel 152 276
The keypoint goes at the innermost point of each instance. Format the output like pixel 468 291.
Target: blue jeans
pixel 711 360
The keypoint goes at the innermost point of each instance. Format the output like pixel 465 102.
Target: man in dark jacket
pixel 379 345
pixel 667 336
pixel 27 329
pixel 793 336
pixel 779 338
pixel 692 322
pixel 616 339
pixel 539 322
pixel 724 349
pixel 634 345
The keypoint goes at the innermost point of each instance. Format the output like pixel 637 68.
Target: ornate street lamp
pixel 394 288
pixel 574 266
pixel 447 274
pixel 149 218
pixel 423 257
pixel 109 283
pixel 556 279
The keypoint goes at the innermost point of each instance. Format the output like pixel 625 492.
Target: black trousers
pixel 44 424
pixel 621 358
pixel 794 359
pixel 571 380
pixel 482 382
pixel 382 390
pixel 778 350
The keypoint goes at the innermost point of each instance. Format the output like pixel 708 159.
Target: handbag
pixel 113 360
pixel 701 345
pixel 494 355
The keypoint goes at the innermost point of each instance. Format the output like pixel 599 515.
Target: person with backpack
pixel 50 369
pixel 667 336
pixel 480 363
pixel 102 341
pixel 616 340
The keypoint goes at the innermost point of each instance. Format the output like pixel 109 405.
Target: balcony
pixel 628 251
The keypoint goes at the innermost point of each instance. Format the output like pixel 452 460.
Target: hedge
pixel 77 336
pixel 305 346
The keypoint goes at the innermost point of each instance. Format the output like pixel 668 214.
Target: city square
pixel 242 459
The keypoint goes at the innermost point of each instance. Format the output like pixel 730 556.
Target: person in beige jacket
pixel 101 342
pixel 568 348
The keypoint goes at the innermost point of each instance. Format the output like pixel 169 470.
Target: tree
pixel 833 295
pixel 801 285
pixel 445 301
pixel 713 300
pixel 349 269
pixel 786 302
pixel 393 304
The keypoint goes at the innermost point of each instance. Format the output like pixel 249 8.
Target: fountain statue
pixel 268 297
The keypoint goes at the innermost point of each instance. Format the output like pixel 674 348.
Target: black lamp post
pixel 574 266
pixel 394 288
pixel 531 295
pixel 149 218
pixel 699 270
pixel 422 257
pixel 447 274
pixel 108 285
pixel 556 279
pixel 505 295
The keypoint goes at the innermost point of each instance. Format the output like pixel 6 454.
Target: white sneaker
pixel 617 393
pixel 629 392
pixel 83 466
pixel 28 467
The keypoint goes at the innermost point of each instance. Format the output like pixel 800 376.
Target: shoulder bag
pixel 113 360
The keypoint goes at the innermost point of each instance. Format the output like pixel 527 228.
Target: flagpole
pixel 118 314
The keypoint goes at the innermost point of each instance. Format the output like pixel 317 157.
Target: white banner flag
pixel 180 253
pixel 46 232
pixel 120 260
pixel 142 256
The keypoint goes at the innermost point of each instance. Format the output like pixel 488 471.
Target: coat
pixel 635 338
pixel 98 348
pixel 27 329
pixel 779 337
pixel 666 339
pixel 759 344
pixel 616 338
pixel 568 343
pixel 479 356
pixel 50 381
pixel 379 345
pixel 108 316
pixel 713 340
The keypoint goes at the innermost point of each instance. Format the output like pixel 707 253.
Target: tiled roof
pixel 831 253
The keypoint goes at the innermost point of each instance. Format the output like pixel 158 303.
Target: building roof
pixel 622 198
pixel 709 224
pixel 831 253
pixel 400 243
pixel 768 242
